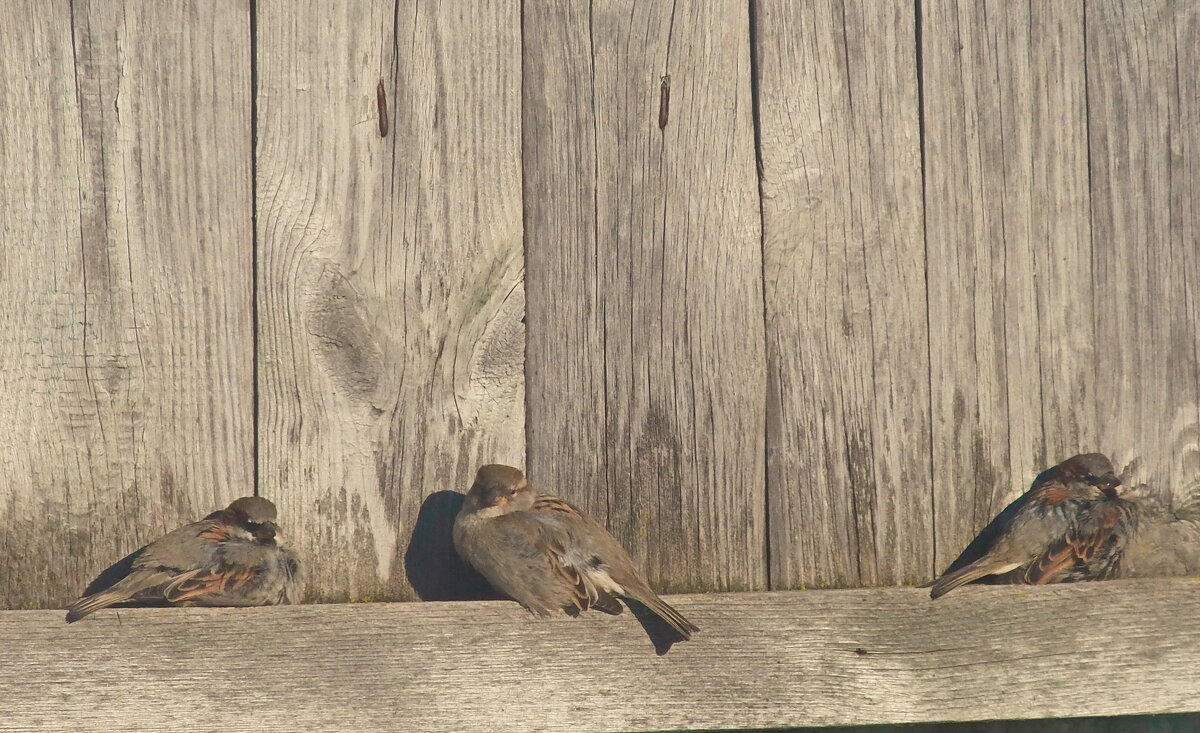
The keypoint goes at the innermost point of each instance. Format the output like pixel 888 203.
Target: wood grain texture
pixel 1012 350
pixel 1143 116
pixel 391 287
pixel 848 437
pixel 762 660
pixel 645 348
pixel 125 378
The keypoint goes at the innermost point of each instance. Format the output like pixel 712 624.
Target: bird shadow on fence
pixel 433 566
pixel 662 636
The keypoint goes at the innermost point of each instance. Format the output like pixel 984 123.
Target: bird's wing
pixel 581 571
pixel 1009 542
pixel 193 562
pixel 1090 548
pixel 1045 494
pixel 209 581
pixel 189 547
pixel 601 567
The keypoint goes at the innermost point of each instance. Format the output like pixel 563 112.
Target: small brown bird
pixel 232 558
pixel 1069 526
pixel 546 555
pixel 1166 544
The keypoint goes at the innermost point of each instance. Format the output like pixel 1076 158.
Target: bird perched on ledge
pixel 1165 544
pixel 1070 526
pixel 546 555
pixel 233 558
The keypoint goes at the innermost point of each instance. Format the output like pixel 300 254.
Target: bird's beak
pixel 268 531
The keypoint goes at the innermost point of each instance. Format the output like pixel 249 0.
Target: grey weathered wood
pixel 848 383
pixel 125 370
pixel 390 272
pixel 1059 227
pixel 1012 351
pixel 645 354
pixel 1143 113
pixel 762 660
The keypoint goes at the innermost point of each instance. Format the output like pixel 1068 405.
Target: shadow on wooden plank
pixel 662 636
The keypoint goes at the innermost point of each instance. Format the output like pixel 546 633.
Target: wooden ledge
pixel 810 658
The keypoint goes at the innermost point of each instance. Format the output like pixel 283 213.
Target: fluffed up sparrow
pixel 1070 526
pixel 232 558
pixel 546 555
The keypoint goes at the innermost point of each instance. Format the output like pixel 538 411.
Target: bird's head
pixel 255 517
pixel 1089 473
pixel 499 489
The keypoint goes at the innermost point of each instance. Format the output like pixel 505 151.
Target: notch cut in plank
pixel 126 384
pixel 848 402
pixel 815 658
pixel 645 352
pixel 391 285
pixel 1012 350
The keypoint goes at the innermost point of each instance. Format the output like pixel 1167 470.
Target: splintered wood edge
pixel 805 658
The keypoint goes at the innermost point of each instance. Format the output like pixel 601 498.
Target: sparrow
pixel 547 555
pixel 1165 544
pixel 231 558
pixel 1070 526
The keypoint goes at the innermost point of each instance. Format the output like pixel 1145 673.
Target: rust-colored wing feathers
pixel 1090 549
pixel 205 581
pixel 214 533
pixel 1051 493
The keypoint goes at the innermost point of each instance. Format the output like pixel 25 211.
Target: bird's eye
pixel 1090 479
pixel 253 526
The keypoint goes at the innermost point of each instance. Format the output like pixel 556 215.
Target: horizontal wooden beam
pixel 815 658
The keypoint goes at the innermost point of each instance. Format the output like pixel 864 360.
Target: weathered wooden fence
pixel 342 253
pixel 790 293
pixel 970 249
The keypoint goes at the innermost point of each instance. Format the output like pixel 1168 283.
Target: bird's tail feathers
pixel 663 610
pixel 93 603
pixel 133 587
pixel 962 576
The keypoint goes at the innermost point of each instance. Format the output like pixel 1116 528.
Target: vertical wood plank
pixel 1012 352
pixel 849 475
pixel 125 379
pixel 391 286
pixel 1143 111
pixel 645 348
pixel 1060 234
pixel 1185 217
